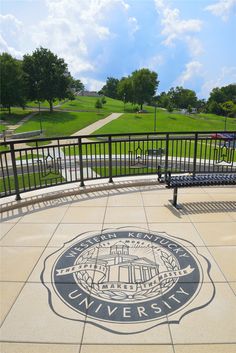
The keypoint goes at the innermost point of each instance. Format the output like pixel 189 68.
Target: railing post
pixel 13 160
pixel 166 156
pixel 81 162
pixel 195 153
pixel 110 159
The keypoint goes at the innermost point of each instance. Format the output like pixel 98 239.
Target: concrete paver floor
pixel 121 271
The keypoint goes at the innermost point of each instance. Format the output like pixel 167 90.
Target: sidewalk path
pixel 97 125
pixel 22 121
pixel 86 131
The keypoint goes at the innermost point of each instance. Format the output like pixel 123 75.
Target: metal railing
pixel 32 164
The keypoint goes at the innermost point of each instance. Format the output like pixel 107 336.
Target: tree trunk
pixel 141 106
pixel 51 105
pixel 9 109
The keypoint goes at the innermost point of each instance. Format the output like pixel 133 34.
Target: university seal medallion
pixel 122 277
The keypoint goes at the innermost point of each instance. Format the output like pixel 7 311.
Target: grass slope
pixel 44 104
pixel 60 123
pixel 16 115
pixel 131 123
pixel 88 103
pixel 30 181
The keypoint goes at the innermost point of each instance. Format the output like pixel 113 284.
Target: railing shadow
pixel 11 210
pixel 208 207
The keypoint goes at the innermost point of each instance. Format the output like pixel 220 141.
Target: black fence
pixel 38 163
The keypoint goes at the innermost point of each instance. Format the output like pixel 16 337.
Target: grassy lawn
pixel 2 128
pixel 30 157
pixel 176 149
pixel 60 123
pixel 112 105
pixel 131 123
pixel 44 104
pixel 16 115
pixel 103 172
pixel 4 148
pixel 28 181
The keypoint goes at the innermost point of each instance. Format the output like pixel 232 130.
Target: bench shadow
pixel 208 207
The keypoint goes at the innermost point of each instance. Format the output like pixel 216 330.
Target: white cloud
pixel 10 29
pixel 78 31
pixel 222 8
pixel 192 69
pixel 175 28
pixel 195 45
pixel 92 84
pixel 133 25
pixel 11 21
pixel 82 32
pixel 226 76
pixel 4 47
pixel 153 63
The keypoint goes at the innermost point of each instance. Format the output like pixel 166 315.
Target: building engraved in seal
pixel 125 276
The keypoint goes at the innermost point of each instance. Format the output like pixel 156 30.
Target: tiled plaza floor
pixel 34 238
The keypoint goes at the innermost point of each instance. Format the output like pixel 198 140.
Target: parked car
pixel 224 136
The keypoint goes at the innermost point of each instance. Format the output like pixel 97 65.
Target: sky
pixel 189 43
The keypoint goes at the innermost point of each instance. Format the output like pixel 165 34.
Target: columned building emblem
pixel 127 281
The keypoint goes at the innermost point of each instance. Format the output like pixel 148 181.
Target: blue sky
pixel 191 43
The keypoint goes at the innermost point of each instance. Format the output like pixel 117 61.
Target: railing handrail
pixel 75 159
pixel 14 141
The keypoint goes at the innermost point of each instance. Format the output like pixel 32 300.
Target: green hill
pixel 130 123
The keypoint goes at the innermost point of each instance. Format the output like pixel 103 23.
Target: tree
pixel 163 100
pixel 103 100
pixel 110 88
pixel 47 75
pixel 229 109
pixel 215 108
pixel 201 105
pixel 125 90
pixel 145 84
pixel 138 88
pixel 77 85
pixel 98 105
pixel 12 82
pixel 181 97
pixel 218 97
pixel 170 108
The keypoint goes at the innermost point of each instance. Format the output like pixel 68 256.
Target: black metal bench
pixel 156 152
pixel 183 181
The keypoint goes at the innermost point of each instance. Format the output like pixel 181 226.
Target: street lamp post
pixel 40 120
pixel 155 118
pixel 124 100
pixel 225 121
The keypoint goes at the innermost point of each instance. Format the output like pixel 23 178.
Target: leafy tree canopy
pixel 110 88
pixel 229 108
pixel 138 88
pixel 77 85
pixel 163 100
pixel 145 84
pixel 98 104
pixel 125 89
pixel 222 100
pixel 182 97
pixel 223 94
pixel 12 82
pixel 47 75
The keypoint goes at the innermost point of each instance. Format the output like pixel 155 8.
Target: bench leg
pixel 175 194
pixel 159 173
